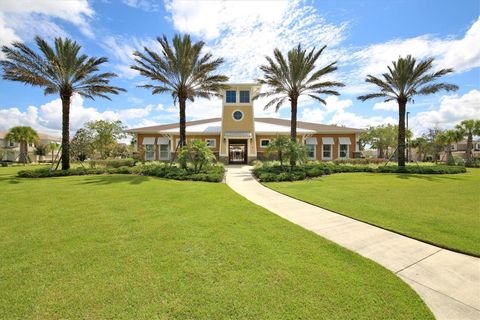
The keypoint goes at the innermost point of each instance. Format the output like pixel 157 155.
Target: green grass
pixel 121 246
pixel 440 209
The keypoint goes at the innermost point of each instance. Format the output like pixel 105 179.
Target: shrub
pixel 112 163
pixel 197 154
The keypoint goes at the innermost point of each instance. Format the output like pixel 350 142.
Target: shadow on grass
pixel 431 177
pixel 110 179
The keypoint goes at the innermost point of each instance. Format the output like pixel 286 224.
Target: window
pixel 478 146
pixel 231 96
pixel 164 151
pixel 327 152
pixel 211 143
pixel 310 151
pixel 343 151
pixel 149 152
pixel 244 96
pixel 30 145
pixel 264 143
pixel 237 115
pixel 11 144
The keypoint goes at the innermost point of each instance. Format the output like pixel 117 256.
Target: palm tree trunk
pixel 469 158
pixel 183 138
pixel 65 131
pixel 402 103
pixel 293 126
pixel 23 152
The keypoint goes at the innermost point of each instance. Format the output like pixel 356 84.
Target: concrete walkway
pixel 447 281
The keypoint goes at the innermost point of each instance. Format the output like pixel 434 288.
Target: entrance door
pixel 237 151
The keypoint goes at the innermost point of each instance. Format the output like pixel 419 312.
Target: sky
pixel 364 37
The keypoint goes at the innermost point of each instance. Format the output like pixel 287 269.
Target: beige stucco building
pixel 240 137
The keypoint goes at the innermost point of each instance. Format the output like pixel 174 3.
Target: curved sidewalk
pixel 447 281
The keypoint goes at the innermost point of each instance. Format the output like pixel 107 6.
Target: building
pixel 10 150
pixel 240 137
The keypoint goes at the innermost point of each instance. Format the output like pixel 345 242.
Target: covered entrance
pixel 237 151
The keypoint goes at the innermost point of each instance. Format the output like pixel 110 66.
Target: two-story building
pixel 240 137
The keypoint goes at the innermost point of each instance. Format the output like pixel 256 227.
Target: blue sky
pixel 363 36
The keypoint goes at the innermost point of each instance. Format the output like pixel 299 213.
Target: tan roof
pixel 317 127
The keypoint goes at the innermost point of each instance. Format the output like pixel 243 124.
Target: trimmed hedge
pixel 210 174
pixel 276 173
pixel 112 163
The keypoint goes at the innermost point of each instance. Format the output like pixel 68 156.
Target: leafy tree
pixel 24 136
pixel 105 135
pixel 435 145
pixel 421 144
pixel 198 154
pixel 404 80
pixel 181 70
pixel 295 152
pixel 278 146
pixel 447 138
pixel 382 138
pixel 59 70
pixel 293 76
pixel 469 128
pixel 81 147
pixel 121 151
pixel 41 150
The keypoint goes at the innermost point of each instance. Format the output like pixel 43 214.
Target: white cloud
pixel 453 109
pixel 28 18
pixel 234 28
pixel 350 119
pixel 145 5
pixel 391 105
pixel 48 117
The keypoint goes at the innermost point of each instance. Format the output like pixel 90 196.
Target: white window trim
pixel 314 151
pixel 348 151
pixel 146 158
pixel 214 142
pixel 243 115
pixel 331 152
pixel 160 153
pixel 264 147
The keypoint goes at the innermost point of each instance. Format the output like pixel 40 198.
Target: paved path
pixel 447 281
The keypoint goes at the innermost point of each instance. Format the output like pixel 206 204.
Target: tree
pixel 404 80
pixel 182 71
pixel 198 154
pixel 51 147
pixel 421 144
pixel 469 128
pixel 382 138
pixel 278 146
pixel 294 76
pixel 82 145
pixel 105 135
pixel 24 136
pixel 60 70
pixel 447 138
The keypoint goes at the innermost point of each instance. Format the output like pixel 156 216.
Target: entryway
pixel 237 151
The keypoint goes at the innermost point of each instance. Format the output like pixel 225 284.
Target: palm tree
pixel 469 128
pixel 447 138
pixel 51 147
pixel 294 76
pixel 24 136
pixel 60 70
pixel 405 80
pixel 181 70
pixel 421 144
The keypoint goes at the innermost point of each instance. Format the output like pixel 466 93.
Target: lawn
pixel 440 209
pixel 122 246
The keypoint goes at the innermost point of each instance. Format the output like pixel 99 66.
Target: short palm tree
pixel 24 136
pixel 469 128
pixel 181 70
pixel 447 139
pixel 51 147
pixel 404 80
pixel 60 70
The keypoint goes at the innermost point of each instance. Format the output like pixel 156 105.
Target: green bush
pixel 112 163
pixel 209 173
pixel 272 173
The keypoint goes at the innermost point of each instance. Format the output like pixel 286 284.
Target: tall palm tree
pixel 447 138
pixel 293 76
pixel 404 80
pixel 181 70
pixel 60 70
pixel 24 136
pixel 469 128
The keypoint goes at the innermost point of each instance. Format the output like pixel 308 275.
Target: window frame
pixel 11 144
pixel 340 150
pixel 233 113
pixel 227 97
pixel 262 146
pixel 240 96
pixel 147 152
pixel 323 151
pixel 214 142
pixel 314 147
pixel 160 151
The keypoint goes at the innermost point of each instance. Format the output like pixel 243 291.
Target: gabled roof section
pixel 164 127
pixel 317 127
